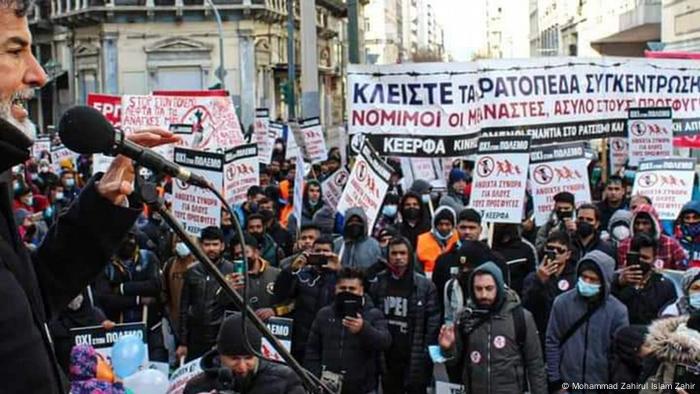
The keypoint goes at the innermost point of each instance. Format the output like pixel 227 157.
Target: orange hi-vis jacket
pixel 429 249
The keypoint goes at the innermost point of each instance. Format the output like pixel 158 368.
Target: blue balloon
pixel 127 355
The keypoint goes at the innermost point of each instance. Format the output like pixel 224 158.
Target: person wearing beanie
pixel 359 250
pixel 631 357
pixel 456 197
pixel 561 218
pixel 415 217
pixel 582 325
pixel 478 341
pixel 437 241
pixel 233 366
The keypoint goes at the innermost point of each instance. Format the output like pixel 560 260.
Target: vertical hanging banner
pixel 194 207
pixel 367 185
pixel 554 169
pixel 333 186
pixel 314 141
pixel 650 134
pixel 667 182
pixel 241 171
pixel 264 136
pixel 617 153
pixel 500 175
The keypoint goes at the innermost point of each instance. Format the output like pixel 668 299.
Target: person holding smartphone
pixel 640 286
pixel 561 218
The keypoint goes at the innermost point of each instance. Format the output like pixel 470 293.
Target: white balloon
pixel 148 381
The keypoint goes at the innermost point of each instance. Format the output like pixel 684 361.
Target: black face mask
pixel 348 304
pixel 354 230
pixel 258 237
pixel 127 249
pixel 410 213
pixel 584 229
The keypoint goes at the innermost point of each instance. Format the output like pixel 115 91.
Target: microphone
pixel 85 130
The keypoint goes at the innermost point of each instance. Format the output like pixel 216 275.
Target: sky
pixel 464 22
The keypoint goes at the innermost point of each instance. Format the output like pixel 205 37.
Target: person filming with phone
pixel 347 338
pixel 561 218
pixel 639 285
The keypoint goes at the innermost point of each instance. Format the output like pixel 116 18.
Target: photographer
pixel 639 286
pixel 347 337
pixel 305 287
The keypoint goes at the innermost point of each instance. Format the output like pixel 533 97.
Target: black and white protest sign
pixel 650 134
pixel 103 339
pixel 314 141
pixel 241 171
pixel 264 136
pixel 281 328
pixel 500 175
pixel 194 207
pixel 618 153
pixel 668 182
pixel 333 186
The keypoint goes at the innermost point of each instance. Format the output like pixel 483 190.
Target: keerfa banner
pixel 440 109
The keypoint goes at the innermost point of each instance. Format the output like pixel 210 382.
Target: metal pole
pixel 291 66
pixel 353 33
pixel 219 25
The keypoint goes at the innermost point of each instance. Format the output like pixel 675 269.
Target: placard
pixel 555 169
pixel 264 136
pixel 103 339
pixel 292 150
pixel 314 141
pixel 60 152
pixel 194 207
pixel 281 328
pixel 241 171
pixel 448 388
pixel 367 185
pixel 182 375
pixel 333 186
pixel 500 176
pixel 667 182
pixel 650 134
pixel 617 154
pixel 41 145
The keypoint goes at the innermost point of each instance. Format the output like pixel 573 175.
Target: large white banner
pixel 241 171
pixel 500 175
pixel 650 134
pixel 264 135
pixel 314 141
pixel 555 169
pixel 366 186
pixel 437 109
pixel 667 182
pixel 194 207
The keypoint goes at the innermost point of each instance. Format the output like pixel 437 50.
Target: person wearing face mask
pixel 437 241
pixel 415 217
pixel 312 202
pixel 347 338
pixel 582 326
pixel 131 285
pixel 639 286
pixel 279 234
pixel 456 197
pixel 70 188
pixel 389 215
pixel 409 302
pixel 688 233
pixel 249 206
pixel 46 175
pixel 174 275
pixel 24 199
pixel 689 300
pixel 587 235
pixel 619 228
pixel 359 250
pixel 561 218
pixel 268 247
pixel 495 339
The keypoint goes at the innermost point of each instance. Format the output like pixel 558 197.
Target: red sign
pixel 109 105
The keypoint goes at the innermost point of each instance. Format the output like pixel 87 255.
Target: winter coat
pixel 270 378
pixel 584 357
pixel 493 360
pixel 454 201
pixel 35 288
pixel 607 212
pixel 515 249
pixel 674 345
pixel 261 288
pixel 669 251
pixel 688 242
pixel 361 253
pixel 682 305
pixel 423 325
pixel 645 304
pixel 270 251
pixel 83 373
pixel 423 222
pixel 552 224
pixel 332 347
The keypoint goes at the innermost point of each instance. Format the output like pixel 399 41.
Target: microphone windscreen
pixel 85 130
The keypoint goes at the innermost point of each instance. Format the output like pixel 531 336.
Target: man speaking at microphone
pixel 34 288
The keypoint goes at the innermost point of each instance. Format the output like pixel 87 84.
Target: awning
pixel 642 33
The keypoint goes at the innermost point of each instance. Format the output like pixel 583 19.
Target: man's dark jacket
pixel 35 288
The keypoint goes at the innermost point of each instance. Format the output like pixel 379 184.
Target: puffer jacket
pixel 270 378
pixel 493 360
pixel 423 325
pixel 584 358
pixel 674 345
pixel 332 347
pixel 682 305
pixel 364 252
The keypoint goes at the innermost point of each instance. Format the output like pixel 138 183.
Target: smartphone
pixel 550 254
pixel 239 268
pixel 567 215
pixel 632 258
pixel 351 308
pixel 317 259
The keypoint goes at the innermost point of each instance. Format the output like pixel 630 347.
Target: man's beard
pixel 26 127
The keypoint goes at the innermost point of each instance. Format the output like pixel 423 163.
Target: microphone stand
pixel 148 193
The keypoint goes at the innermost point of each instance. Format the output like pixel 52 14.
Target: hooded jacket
pixel 512 247
pixel 620 216
pixel 493 360
pixel 584 357
pixel 308 211
pixel 669 251
pixel 84 371
pixel 646 303
pixel 269 378
pixel 422 222
pixel 682 305
pixel 429 247
pixel 673 344
pixel 688 242
pixel 332 347
pixel 363 252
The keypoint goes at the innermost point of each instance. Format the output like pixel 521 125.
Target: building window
pixel 180 78
pixel 87 83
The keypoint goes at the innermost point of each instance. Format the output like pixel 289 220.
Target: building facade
pixel 681 25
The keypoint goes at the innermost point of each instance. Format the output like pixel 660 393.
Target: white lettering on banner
pixel 264 136
pixel 281 328
pixel 241 171
pixel 500 175
pixel 103 340
pixel 669 184
pixel 194 207
pixel 551 177
pixel 418 108
pixel 650 134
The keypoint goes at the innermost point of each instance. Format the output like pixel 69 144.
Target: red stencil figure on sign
pixel 566 173
pixel 507 168
pixel 656 129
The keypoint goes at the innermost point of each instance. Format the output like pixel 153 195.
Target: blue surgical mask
pixel 390 210
pixel 59 196
pixel 425 198
pixel 70 182
pixel 442 237
pixel 181 249
pixel 694 300
pixel 587 289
